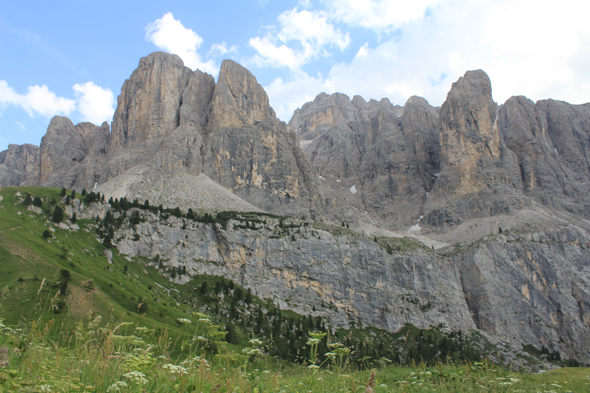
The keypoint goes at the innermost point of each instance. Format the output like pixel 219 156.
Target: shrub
pixel 47 234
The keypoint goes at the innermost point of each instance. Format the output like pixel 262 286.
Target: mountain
pixel 172 120
pixel 349 200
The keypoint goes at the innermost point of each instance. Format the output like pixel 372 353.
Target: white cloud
pixel 532 48
pixel 303 35
pixel 38 100
pixel 377 14
pixel 95 104
pixel 222 49
pixel 170 35
pixel 21 126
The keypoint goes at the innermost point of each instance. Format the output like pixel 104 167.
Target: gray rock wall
pixel 521 289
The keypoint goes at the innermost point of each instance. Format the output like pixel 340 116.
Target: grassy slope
pixel 26 259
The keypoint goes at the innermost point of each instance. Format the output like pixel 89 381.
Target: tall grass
pixel 131 358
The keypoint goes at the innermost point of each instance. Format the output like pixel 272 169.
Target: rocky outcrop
pixel 517 287
pixel 149 104
pixel 550 139
pixel 18 164
pixel 238 100
pixel 379 157
pixel 70 155
pixel 479 175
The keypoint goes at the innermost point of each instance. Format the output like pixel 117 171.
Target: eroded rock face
pixel 238 100
pixel 517 288
pixel 149 104
pixel 18 164
pixel 171 120
pixel 69 154
pixel 380 162
pixel 479 175
pixel 550 139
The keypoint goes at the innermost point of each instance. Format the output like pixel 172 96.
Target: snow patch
pixel 353 189
pixel 555 151
pixel 338 181
pixel 427 194
pixel 414 228
pixel 95 184
pixel 436 174
pixel 321 178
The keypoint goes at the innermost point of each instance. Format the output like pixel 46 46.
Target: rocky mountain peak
pixel 476 165
pixel 149 104
pixel 468 120
pixel 238 100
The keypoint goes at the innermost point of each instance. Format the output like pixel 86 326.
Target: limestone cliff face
pixel 398 164
pixel 479 175
pixel 368 153
pixel 149 104
pixel 18 164
pixel 70 154
pixel 238 100
pixel 550 139
pixel 171 120
pixel 517 288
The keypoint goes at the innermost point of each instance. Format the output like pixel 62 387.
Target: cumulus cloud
pixel 95 104
pixel 222 49
pixel 377 14
pixel 171 36
pixel 38 100
pixel 303 35
pixel 535 48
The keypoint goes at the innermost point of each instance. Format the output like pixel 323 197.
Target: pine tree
pixel 58 214
pixel 73 219
pixel 63 192
pixel 73 194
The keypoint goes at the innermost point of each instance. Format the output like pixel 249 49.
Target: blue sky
pixel 72 57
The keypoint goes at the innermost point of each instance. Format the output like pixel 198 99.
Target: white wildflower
pixel 183 320
pixel 117 386
pixel 136 376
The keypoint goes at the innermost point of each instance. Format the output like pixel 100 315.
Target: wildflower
pixel 256 342
pixel 117 386
pixel 313 341
pixel 136 376
pixel 183 320
pixel 313 367
pixel 174 369
pixel 45 388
